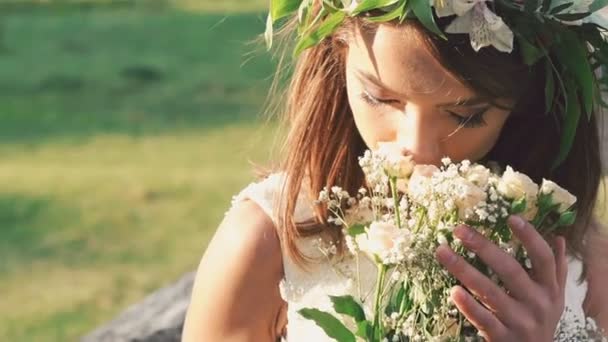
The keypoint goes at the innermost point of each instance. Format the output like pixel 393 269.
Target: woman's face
pixel 398 92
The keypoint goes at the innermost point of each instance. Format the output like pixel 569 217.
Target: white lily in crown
pixel 475 18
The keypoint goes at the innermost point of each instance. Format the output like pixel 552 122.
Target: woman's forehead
pixel 398 58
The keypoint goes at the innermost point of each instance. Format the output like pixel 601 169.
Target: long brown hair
pixel 323 143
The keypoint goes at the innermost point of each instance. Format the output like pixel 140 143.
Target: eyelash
pixel 472 121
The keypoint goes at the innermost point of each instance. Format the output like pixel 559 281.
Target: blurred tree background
pixel 126 127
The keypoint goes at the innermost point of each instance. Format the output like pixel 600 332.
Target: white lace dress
pixel 310 289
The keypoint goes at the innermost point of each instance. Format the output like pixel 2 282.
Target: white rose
pixel 560 195
pixel 395 162
pixel 515 185
pixel 468 196
pixel 478 175
pixel 381 237
pixel 419 183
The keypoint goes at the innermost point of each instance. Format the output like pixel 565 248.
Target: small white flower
pixel 395 162
pixel 446 161
pixel 558 194
pixel 468 196
pixel 420 181
pixel 475 18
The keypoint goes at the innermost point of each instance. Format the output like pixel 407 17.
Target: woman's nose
pixel 420 136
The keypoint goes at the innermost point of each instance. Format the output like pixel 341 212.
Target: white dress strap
pixel 268 195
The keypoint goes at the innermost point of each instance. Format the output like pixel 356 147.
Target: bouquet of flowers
pixel 403 214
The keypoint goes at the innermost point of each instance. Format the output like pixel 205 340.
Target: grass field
pixel 125 131
pixel 124 134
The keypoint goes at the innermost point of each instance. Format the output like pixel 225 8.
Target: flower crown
pixel 567 36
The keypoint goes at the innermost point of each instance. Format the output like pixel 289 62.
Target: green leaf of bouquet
pixel 326 28
pixel 283 8
pixel 571 53
pixel 331 325
pixel 400 297
pixel 356 229
pixel 518 206
pixel 567 218
pixel 365 330
pixel 573 114
pixel 424 13
pixel 560 8
pixel 347 305
pixel 367 5
pixel 397 12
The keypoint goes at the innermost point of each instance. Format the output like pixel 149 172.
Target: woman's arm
pixel 235 295
pixel 596 260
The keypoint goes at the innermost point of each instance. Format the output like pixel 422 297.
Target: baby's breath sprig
pixel 399 219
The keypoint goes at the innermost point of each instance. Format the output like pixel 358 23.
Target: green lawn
pixel 124 134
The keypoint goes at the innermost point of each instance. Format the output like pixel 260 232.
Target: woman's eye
pixel 470 121
pixel 374 101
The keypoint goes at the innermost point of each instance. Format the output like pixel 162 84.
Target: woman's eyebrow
pixel 472 101
pixel 364 75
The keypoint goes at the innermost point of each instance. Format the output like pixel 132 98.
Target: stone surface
pixel 159 317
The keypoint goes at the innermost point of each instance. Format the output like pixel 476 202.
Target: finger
pixel 484 289
pixel 561 261
pixel 488 325
pixel 539 251
pixel 514 277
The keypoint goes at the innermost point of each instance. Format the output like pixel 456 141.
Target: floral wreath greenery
pixel 567 36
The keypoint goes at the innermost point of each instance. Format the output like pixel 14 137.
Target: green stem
pixel 379 285
pixel 396 200
pixel 405 296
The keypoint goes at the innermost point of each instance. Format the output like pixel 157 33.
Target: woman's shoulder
pixel 237 278
pixel 596 262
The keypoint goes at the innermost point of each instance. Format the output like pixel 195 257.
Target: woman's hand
pixel 533 306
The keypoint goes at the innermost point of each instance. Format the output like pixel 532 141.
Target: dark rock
pixel 159 317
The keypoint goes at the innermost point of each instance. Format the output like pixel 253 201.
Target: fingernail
pixel 516 222
pixel 463 233
pixel 445 255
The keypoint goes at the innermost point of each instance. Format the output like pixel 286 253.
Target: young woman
pixel 395 81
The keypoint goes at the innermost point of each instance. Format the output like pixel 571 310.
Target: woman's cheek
pixel 374 127
pixel 472 144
